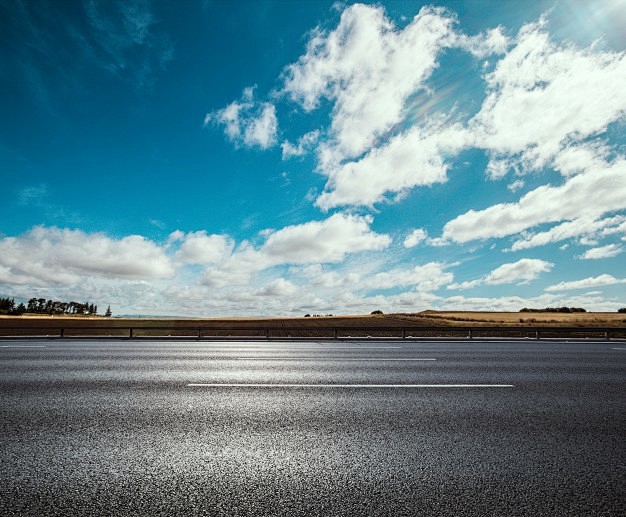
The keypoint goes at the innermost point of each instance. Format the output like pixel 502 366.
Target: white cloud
pixel 589 301
pixel 608 251
pixel 546 204
pixel 541 96
pixel 428 277
pixel 414 158
pixel 279 288
pixel 482 45
pixel 261 131
pixel 522 271
pixel 362 67
pixel 415 237
pixel 516 185
pixel 323 241
pixel 304 145
pixel 314 242
pixel 316 276
pixel 543 100
pixel 586 283
pixel 498 168
pixel 46 256
pixel 200 248
pixel 247 122
pixel 570 229
pixel 578 158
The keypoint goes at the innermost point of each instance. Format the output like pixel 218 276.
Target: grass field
pixel 607 319
pixel 354 326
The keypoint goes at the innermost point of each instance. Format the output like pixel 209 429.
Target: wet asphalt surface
pixel 112 428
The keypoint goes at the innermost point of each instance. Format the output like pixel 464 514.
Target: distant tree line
pixel 52 307
pixel 7 306
pixel 555 309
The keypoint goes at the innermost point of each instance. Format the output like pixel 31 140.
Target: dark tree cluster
pixel 7 306
pixel 622 310
pixel 43 306
pixel 555 309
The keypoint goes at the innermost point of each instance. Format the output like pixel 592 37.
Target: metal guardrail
pixel 278 333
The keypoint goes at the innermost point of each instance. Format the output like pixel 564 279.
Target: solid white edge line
pixel 242 385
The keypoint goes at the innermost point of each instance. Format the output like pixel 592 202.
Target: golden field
pixel 593 319
pixel 354 326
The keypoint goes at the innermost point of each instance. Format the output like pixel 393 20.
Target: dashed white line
pixel 618 349
pixel 359 386
pixel 23 346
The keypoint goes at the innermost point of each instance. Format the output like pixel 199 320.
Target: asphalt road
pixel 370 428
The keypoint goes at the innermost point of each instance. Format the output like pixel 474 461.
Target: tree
pixel 7 305
pixel 108 312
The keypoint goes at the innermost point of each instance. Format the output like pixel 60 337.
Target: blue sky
pixel 281 158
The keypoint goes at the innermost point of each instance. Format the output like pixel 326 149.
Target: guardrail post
pixel 62 333
pixel 537 334
pixel 403 333
pixel 606 335
pixel 469 334
pixel 130 333
pixel 335 333
pixel 199 333
pixel 267 333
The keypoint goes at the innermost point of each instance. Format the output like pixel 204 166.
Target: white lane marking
pixel 271 346
pixel 23 346
pixel 618 349
pixel 240 385
pixel 334 359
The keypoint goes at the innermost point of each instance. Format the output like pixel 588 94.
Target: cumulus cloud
pixel 305 143
pixel 46 256
pixel 522 271
pixel 280 288
pixel 516 185
pixel 544 99
pixel 576 228
pixel 591 301
pixel 493 41
pixel 200 248
pixel 587 283
pixel 314 242
pixel 415 237
pixel 546 204
pixel 247 122
pixel 317 276
pixel 608 251
pixel 543 96
pixel 416 157
pixel 323 241
pixel 428 277
pixel 362 67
